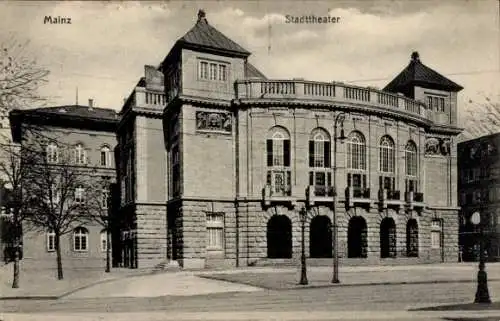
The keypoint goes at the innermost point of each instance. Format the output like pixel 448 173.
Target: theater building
pixel 217 163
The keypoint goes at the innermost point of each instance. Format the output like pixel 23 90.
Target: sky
pixel 104 49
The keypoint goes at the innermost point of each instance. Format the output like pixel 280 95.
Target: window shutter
pixel 311 178
pixel 364 180
pixel 286 152
pixel 269 153
pixel 349 180
pixel 380 183
pixel 327 154
pixel 393 184
pixel 311 154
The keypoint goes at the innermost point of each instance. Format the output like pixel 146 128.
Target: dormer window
pixel 212 70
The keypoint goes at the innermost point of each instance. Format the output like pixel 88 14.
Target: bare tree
pixel 57 186
pixel 482 117
pixel 20 79
pixel 20 76
pixel 99 206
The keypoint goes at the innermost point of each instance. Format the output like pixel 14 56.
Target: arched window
pixel 80 239
pixel 80 155
pixel 104 240
pixel 319 162
pixel 356 151
pixel 411 159
pixel 356 162
pixel 105 157
pixel 51 241
pixel 411 169
pixel 278 161
pixel 52 153
pixel 387 155
pixel 278 148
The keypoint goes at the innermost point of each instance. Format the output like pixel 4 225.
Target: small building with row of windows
pixel 220 171
pixel 81 137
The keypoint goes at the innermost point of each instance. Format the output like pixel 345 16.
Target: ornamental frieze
pixel 437 146
pixel 213 121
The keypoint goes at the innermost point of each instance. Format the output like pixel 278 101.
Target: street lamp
pixel 482 294
pixel 339 119
pixel 303 268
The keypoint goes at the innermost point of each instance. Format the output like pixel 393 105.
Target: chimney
pixel 415 57
pixel 91 104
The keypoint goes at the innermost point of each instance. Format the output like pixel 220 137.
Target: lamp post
pixel 339 119
pixel 303 268
pixel 482 293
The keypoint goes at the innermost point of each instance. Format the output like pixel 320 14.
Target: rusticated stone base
pixel 151 235
pixel 246 233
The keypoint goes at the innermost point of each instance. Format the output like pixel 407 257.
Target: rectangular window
pixel 203 72
pixel 436 234
pixel 79 195
pixel 222 73
pixel 215 231
pixel 213 72
pixel 51 242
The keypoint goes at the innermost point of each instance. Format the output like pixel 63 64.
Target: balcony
pixel 357 196
pixel 389 198
pixel 278 188
pixel 414 200
pixel 319 194
pixel 327 92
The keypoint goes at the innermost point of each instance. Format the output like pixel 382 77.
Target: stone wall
pixel 151 234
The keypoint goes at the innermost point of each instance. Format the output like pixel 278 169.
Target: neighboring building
pixel 219 172
pixel 479 190
pixel 88 133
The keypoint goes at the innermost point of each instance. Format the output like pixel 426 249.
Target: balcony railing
pixel 278 186
pixel 327 91
pixel 389 198
pixel 357 195
pixel 360 192
pixel 414 199
pixel 323 191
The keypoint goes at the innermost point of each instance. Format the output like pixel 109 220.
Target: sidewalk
pixel 43 283
pixel 282 279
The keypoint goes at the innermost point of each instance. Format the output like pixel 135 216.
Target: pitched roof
pixel 252 72
pixel 416 73
pixel 78 111
pixel 204 36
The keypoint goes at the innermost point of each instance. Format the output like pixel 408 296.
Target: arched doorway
pixel 357 238
pixel 387 238
pixel 412 238
pixel 279 237
pixel 320 237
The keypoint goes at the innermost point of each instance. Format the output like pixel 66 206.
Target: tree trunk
pixel 108 251
pixel 60 275
pixel 15 280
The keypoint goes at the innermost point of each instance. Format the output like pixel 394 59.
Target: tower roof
pixel 205 37
pixel 416 73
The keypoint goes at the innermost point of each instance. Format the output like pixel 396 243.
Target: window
pixel 105 197
pixel 105 157
pixel 387 155
pixel 411 159
pixel 436 234
pixel 51 241
pixel 203 73
pixel 319 149
pixel 104 241
pixel 79 194
pixel 52 153
pixel 80 155
pixel 80 239
pixel 436 103
pixel 212 71
pixel 215 231
pixel 278 161
pixel 356 151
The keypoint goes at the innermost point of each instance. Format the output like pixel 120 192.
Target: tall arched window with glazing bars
pixel 278 161
pixel 320 175
pixel 387 161
pixel 356 162
pixel 411 166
